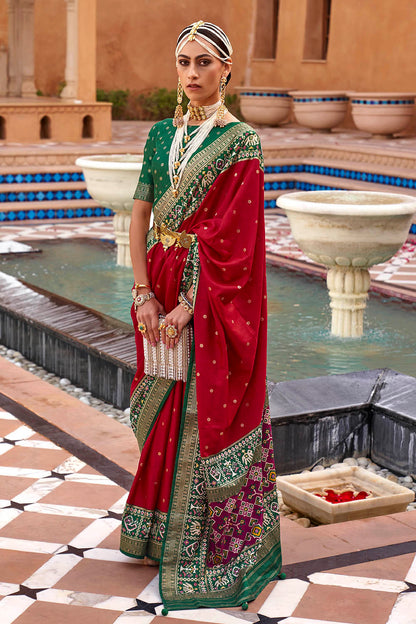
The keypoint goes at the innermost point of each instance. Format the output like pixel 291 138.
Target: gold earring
pixel 219 119
pixel 178 117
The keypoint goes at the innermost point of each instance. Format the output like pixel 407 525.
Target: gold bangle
pixel 185 304
pixel 136 286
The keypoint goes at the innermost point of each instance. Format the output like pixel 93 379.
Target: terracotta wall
pixel 136 40
pixel 3 22
pixel 50 45
pixel 372 46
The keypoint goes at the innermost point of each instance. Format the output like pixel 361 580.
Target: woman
pixel 204 501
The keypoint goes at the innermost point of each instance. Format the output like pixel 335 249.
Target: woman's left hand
pixel 178 317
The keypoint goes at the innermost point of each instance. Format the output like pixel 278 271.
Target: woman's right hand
pixel 148 313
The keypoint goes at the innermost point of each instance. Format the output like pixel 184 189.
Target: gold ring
pixel 171 331
pixel 162 325
pixel 142 328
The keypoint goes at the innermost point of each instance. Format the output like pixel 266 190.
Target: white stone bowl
pixel 382 114
pixel 349 228
pixel 319 110
pixel 111 179
pixel 264 105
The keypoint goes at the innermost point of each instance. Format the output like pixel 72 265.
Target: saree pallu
pixel 204 500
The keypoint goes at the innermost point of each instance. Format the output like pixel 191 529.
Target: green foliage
pixel 61 87
pixel 233 104
pixel 151 105
pixel 158 104
pixel 119 98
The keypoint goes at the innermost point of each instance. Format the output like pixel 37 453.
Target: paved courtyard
pixel 65 469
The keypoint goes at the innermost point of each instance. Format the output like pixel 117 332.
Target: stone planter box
pixel 386 497
pixel 264 105
pixel 382 114
pixel 319 110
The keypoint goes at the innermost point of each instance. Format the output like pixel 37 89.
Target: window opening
pixel 266 29
pixel 87 127
pixel 317 28
pixel 2 129
pixel 45 127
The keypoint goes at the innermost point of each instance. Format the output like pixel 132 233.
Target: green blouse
pixel 154 177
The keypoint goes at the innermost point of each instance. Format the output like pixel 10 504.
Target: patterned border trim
pixel 265 94
pixel 320 99
pixel 225 471
pixel 147 400
pixel 383 102
pixel 36 178
pixel 61 213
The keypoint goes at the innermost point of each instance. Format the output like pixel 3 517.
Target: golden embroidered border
pixel 151 406
pixel 200 160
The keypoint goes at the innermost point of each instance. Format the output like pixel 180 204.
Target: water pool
pixel 299 344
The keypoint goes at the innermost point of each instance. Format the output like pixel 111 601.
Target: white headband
pixel 202 39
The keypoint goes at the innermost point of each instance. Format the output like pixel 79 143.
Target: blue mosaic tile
pixel 370 102
pixel 28 178
pixel 265 94
pixel 319 99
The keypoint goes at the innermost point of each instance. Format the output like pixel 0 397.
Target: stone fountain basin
pixel 349 228
pixel 111 179
pixel 298 492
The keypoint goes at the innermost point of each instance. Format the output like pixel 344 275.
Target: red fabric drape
pixel 231 308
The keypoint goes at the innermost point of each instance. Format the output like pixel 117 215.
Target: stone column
pixel 27 41
pixel 348 290
pixel 70 90
pixel 14 79
pixel 3 70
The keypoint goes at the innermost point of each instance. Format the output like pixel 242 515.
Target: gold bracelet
pixel 135 289
pixel 185 304
pixel 136 286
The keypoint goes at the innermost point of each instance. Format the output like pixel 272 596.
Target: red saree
pixel 204 499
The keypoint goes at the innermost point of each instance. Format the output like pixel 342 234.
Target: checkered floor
pixel 59 526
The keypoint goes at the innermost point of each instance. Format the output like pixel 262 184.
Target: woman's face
pixel 200 73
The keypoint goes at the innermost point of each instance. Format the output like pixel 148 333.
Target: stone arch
pixel 2 128
pixel 45 127
pixel 88 127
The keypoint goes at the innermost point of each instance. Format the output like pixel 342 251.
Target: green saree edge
pixel 264 574
pixel 185 404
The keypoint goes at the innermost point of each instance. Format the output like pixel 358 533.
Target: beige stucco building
pixel 72 46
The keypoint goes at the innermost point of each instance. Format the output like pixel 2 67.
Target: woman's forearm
pixel 139 226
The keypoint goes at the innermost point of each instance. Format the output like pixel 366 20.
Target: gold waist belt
pixel 168 237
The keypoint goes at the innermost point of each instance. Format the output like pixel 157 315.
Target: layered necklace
pixel 185 144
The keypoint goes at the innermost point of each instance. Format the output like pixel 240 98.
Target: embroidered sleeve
pixel 145 189
pixel 246 147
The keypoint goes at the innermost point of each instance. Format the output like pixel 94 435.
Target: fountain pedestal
pixel 348 232
pixel 111 180
pixel 348 291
